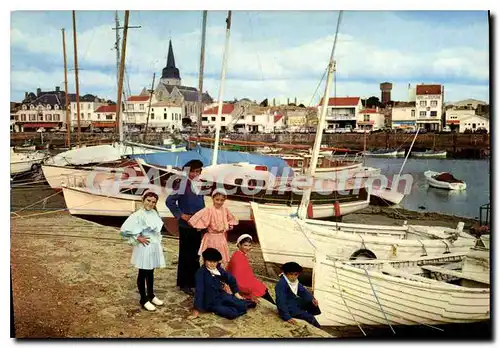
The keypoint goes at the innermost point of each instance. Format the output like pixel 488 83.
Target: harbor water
pixel 423 198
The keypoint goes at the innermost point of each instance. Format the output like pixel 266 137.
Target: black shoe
pixel 188 291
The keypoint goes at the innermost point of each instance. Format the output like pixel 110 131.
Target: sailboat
pixel 293 238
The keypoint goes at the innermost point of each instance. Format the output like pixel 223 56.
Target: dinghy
pixel 383 153
pixel 444 180
pixel 434 290
pixel 429 154
pixel 25 162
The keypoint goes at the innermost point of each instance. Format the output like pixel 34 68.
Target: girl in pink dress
pixel 217 219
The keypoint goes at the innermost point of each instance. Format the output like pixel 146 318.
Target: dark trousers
pixel 145 277
pixel 308 312
pixel 229 307
pixel 189 261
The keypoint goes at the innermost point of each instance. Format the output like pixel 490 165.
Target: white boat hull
pixel 391 154
pixel 20 163
pixel 441 154
pixel 364 295
pixel 286 238
pixel 443 184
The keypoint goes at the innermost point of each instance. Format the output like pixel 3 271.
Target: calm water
pixel 475 173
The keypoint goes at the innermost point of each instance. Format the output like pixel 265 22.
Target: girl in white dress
pixel 143 230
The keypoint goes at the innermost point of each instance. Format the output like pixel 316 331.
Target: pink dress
pixel 218 222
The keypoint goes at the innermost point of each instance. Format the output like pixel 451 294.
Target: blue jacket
pixel 185 203
pixel 209 290
pixel 287 302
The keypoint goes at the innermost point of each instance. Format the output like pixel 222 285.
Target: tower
pixel 385 89
pixel 170 74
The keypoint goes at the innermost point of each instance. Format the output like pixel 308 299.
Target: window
pixel 434 103
pixel 223 118
pixel 366 118
pixel 56 117
pixel 109 117
pixel 165 116
pixel 130 107
pixel 25 107
pixel 98 116
pixel 32 117
pixel 413 113
pixel 48 107
pixel 74 115
pixel 88 106
pixel 204 119
pixel 56 107
pixel 213 118
pixel 434 113
pixel 49 117
pixel 40 117
pixel 253 118
pixel 152 116
pixel 88 115
pixel 141 106
pixel 422 113
pixel 164 109
pixel 423 103
pixel 23 117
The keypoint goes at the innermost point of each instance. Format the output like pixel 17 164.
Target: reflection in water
pixel 476 173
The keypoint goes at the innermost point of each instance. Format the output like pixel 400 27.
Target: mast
pixel 200 76
pixel 117 48
pixel 321 125
pixel 149 107
pixel 120 80
pixel 76 79
pixel 66 98
pixel 221 90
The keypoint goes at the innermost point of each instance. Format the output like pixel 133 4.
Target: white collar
pixel 293 286
pixel 214 271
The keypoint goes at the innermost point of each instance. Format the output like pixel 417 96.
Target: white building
pixel 429 106
pixel 473 122
pixel 163 115
pixel 88 108
pixel 467 114
pixel 341 111
pixel 370 119
pixel 41 110
pixel 404 115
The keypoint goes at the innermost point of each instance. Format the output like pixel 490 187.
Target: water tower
pixel 385 89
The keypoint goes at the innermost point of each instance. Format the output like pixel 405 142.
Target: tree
pixel 372 102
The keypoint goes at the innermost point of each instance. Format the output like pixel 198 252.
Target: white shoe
pixel 156 301
pixel 149 306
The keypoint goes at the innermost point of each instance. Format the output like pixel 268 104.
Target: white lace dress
pixel 147 224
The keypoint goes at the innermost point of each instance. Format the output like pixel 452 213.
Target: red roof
pixel 277 118
pixel 138 98
pixel 342 101
pixel 428 89
pixel 226 109
pixel 38 125
pixel 368 111
pixel 107 108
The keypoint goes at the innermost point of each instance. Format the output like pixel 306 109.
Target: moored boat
pixel 444 180
pixel 429 154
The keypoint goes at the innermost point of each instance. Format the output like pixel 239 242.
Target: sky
pixel 272 54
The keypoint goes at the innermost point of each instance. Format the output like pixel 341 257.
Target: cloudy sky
pixel 272 53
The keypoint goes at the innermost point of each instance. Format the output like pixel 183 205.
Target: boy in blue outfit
pixel 292 298
pixel 214 287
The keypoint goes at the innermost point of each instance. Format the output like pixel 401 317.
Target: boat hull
pixel 286 238
pixel 429 176
pixel 441 154
pixel 365 296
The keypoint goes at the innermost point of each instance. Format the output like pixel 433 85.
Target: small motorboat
pixel 429 154
pixel 385 153
pixel 444 180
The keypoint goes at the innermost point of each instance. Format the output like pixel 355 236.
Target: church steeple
pixel 170 74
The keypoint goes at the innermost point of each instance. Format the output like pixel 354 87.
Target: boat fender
pixel 336 207
pixel 310 211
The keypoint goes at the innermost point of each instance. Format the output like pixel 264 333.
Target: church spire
pixel 170 59
pixel 170 71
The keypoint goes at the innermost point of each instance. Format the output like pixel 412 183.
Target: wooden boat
pixel 383 153
pixel 431 290
pixel 444 180
pixel 429 154
pixel 288 238
pixel 79 175
pixel 25 162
